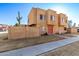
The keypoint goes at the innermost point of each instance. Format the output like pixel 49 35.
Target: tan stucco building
pixel 45 20
pixel 48 21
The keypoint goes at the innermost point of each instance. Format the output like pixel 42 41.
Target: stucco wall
pixel 50 13
pixel 72 30
pixel 22 32
pixel 55 29
pixel 64 22
pixel 61 30
pixel 32 17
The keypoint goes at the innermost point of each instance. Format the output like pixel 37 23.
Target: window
pixel 41 17
pixel 52 17
pixel 62 19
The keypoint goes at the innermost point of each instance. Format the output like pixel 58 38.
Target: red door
pixel 50 29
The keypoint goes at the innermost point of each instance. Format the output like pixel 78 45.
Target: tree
pixel 19 17
pixel 69 24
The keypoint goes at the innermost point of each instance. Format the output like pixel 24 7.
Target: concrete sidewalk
pixel 39 49
pixel 3 32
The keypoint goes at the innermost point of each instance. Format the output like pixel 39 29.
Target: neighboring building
pixel 3 27
pixel 77 29
pixel 48 21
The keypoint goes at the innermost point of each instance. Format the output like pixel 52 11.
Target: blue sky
pixel 8 12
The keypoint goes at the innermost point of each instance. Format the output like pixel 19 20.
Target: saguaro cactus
pixel 19 17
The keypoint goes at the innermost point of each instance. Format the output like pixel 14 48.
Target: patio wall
pixel 72 30
pixel 22 32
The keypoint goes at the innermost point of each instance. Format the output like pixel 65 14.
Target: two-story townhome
pixel 37 18
pixel 62 23
pixel 47 21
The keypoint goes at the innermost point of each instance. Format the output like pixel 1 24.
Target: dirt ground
pixel 6 44
pixel 68 50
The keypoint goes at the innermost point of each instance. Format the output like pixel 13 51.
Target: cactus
pixel 19 17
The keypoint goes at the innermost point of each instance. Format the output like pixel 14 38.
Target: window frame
pixel 62 20
pixel 52 17
pixel 41 17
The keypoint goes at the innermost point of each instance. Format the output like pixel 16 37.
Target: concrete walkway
pixel 3 34
pixel 39 49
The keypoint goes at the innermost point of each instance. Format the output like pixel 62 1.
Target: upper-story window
pixel 52 18
pixel 42 17
pixel 62 19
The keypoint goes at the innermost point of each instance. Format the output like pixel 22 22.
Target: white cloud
pixel 60 9
pixel 65 10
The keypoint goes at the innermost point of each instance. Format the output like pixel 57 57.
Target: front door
pixel 50 29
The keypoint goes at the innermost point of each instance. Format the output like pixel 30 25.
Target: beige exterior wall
pixel 61 30
pixel 64 21
pixel 74 30
pixel 55 29
pixel 41 24
pixel 32 17
pixel 50 13
pixel 22 32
